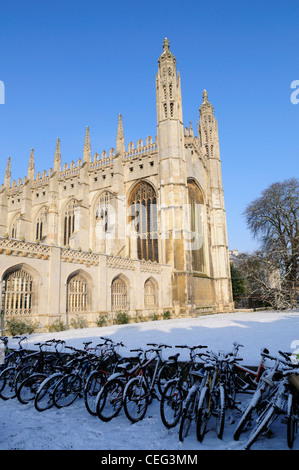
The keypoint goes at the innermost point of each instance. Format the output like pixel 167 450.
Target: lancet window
pixel 143 215
pixel 195 200
pixel 41 224
pixel 14 231
pixel 68 222
pixel 104 211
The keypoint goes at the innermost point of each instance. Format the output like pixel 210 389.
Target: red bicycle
pixel 247 379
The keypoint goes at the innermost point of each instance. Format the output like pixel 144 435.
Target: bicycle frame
pixel 252 376
pixel 143 367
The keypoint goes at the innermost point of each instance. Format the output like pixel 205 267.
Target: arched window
pixel 68 222
pixel 41 224
pixel 77 294
pixel 143 215
pixel 14 229
pixel 17 293
pixel 195 200
pixel 150 294
pixel 105 211
pixel 119 296
pixel 105 222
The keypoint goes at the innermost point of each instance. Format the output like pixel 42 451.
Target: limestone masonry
pixel 140 230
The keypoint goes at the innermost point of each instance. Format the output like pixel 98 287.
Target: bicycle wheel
pixel 109 401
pixel 247 415
pixel 166 373
pixel 7 383
pixel 171 404
pixel 291 420
pixel 135 399
pixel 67 390
pixel 203 413
pixel 269 417
pixel 220 411
pixel 94 383
pixel 44 396
pixel 188 416
pixel 22 375
pixel 27 390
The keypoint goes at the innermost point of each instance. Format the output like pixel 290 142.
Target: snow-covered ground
pixel 22 427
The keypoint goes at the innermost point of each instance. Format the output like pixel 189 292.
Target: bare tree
pixel 273 219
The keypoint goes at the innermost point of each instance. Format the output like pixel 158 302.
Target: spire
pixel 166 45
pixel 87 147
pixel 206 105
pixel 31 168
pixel 57 158
pixel 166 54
pixel 120 138
pixel 168 87
pixel 7 176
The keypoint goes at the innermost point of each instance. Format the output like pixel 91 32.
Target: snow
pixel 73 428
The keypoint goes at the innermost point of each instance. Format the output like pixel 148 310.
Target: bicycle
pixel 190 404
pixel 43 399
pixel 109 401
pixel 140 390
pixel 292 415
pixel 261 396
pixel 247 379
pixel 30 377
pixel 167 368
pixel 8 376
pixel 175 391
pixel 213 396
pixel 109 360
pixel 280 404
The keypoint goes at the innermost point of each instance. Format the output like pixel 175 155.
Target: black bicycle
pixel 176 390
pixel 30 377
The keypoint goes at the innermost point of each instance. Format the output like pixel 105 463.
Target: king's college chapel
pixel 140 229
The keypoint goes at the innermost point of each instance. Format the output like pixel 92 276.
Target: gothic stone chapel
pixel 140 230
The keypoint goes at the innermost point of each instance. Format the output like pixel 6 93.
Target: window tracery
pixel 77 294
pixel 119 301
pixel 17 293
pixel 143 214
pixel 196 226
pixel 68 222
pixel 150 294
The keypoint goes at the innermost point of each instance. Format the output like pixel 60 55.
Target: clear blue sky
pixel 71 63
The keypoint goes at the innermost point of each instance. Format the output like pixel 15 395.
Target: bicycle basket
pixel 294 380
